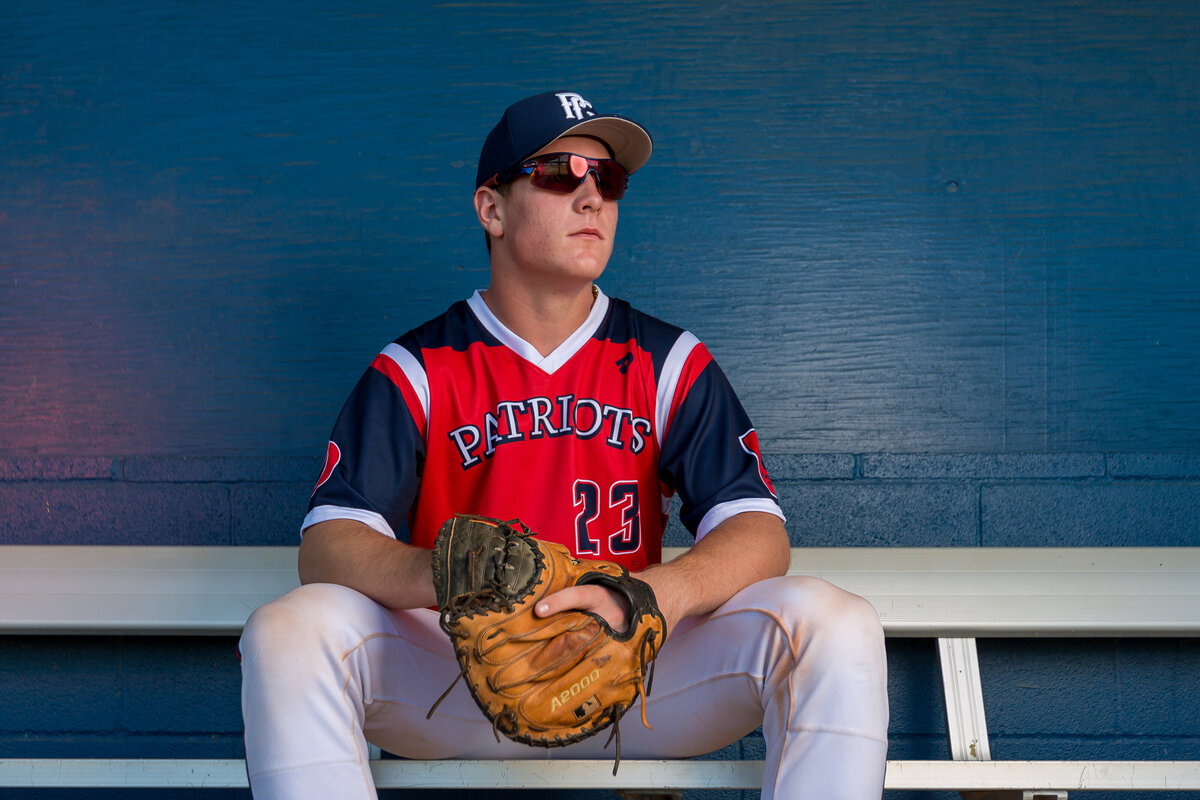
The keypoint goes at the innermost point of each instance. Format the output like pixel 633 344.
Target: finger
pixel 572 597
pixel 609 605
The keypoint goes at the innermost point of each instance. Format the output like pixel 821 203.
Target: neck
pixel 543 319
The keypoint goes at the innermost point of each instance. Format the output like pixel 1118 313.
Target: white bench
pixel 951 594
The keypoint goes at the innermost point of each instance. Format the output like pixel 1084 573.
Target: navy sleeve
pixel 377 453
pixel 711 457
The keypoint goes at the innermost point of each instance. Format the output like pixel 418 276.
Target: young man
pixel 541 398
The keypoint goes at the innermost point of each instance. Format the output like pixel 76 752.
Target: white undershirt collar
pixel 561 354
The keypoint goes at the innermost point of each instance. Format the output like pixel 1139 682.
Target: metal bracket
pixel 965 721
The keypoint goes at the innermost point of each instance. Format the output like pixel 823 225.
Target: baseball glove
pixel 547 682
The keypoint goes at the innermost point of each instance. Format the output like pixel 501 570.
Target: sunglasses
pixel 564 172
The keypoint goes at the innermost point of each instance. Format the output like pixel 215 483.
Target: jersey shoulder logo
pixel 749 442
pixel 333 455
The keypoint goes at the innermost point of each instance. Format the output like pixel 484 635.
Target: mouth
pixel 590 233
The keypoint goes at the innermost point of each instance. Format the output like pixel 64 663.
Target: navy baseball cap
pixel 530 124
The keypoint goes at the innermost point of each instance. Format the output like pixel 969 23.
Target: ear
pixel 489 207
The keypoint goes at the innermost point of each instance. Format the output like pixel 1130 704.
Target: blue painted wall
pixel 947 251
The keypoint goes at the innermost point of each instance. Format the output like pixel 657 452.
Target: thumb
pixel 561 600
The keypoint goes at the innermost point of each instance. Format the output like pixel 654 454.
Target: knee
pixel 825 616
pixel 298 625
pixel 840 607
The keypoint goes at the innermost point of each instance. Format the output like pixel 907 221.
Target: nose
pixel 587 196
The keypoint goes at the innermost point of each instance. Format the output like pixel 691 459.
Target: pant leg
pixel 799 656
pixel 825 700
pixel 323 665
pixel 325 670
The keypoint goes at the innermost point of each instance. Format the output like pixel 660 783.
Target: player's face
pixel 560 237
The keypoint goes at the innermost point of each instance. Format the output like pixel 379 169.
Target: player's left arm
pixel 744 549
pixel 710 455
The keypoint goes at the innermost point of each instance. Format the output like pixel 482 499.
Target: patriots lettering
pixel 539 417
pixel 597 417
pixel 590 443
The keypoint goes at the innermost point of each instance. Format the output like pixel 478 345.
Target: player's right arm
pixel 347 552
pixel 355 531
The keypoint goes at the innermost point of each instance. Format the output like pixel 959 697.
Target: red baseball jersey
pixel 586 445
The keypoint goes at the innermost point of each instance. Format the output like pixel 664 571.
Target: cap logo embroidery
pixel 574 106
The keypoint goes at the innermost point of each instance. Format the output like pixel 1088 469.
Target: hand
pixel 608 604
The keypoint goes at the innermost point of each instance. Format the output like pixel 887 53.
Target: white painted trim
pixel 924 592
pixel 684 774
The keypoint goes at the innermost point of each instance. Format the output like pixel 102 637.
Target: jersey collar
pixel 561 354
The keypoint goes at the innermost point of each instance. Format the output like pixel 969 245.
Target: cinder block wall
pixel 872 499
pixel 159 501
pixel 1030 500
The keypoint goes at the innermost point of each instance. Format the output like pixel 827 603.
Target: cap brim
pixel 630 143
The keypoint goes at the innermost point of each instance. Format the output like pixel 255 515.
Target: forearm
pixel 744 549
pixel 345 552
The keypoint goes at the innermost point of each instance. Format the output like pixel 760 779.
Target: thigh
pixel 707 691
pixel 704 696
pixel 413 665
pixel 709 679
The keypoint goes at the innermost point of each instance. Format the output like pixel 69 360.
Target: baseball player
pixel 544 399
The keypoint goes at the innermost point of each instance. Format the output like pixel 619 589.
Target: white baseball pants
pixel 325 670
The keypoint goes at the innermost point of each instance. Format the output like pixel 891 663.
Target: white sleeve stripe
pixel 668 381
pixel 723 511
pixel 415 373
pixel 369 518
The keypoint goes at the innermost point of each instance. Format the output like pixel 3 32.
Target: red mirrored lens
pixel 563 172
